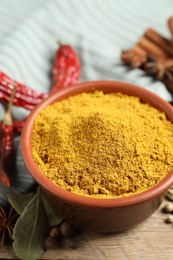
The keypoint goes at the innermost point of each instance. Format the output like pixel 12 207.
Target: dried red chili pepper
pixel 18 126
pixel 7 142
pixel 66 67
pixel 6 151
pixel 25 97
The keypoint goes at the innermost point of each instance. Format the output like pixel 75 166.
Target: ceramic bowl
pixel 105 215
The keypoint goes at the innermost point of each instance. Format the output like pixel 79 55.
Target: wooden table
pixel 151 240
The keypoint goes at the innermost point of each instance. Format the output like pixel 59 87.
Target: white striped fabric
pixel 98 29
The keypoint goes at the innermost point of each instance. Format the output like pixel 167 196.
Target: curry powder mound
pixel 103 145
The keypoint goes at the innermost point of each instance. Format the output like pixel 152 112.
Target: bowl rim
pixel 77 199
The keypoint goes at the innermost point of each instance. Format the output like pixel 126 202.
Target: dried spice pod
pixel 7 142
pixel 25 96
pixel 7 151
pixel 66 67
pixel 160 69
pixel 7 223
pixel 18 126
pixel 152 48
pixel 170 25
pixel 159 40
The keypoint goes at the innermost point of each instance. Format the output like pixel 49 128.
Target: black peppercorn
pixel 66 229
pixel 73 244
pixel 55 232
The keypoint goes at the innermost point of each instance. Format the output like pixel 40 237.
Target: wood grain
pixel 150 240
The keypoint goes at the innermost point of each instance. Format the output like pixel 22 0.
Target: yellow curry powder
pixel 103 145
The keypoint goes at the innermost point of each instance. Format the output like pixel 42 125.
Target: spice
pixel 7 223
pixel 55 232
pixel 73 244
pixel 51 243
pixel 66 229
pixel 134 58
pixel 25 97
pixel 169 194
pixel 66 67
pixel 169 219
pixel 7 142
pixel 85 144
pixel 18 126
pixel 161 70
pixel 168 208
pixel 160 51
pixel 66 70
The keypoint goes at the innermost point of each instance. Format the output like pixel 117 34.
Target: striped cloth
pixel 97 29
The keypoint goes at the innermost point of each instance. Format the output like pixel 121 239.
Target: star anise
pixel 161 70
pixel 7 223
pixel 133 58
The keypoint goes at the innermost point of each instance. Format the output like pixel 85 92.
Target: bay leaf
pixel 54 218
pixel 31 230
pixel 20 201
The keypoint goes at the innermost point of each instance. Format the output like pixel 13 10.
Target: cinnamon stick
pixel 135 57
pixel 170 25
pixel 159 40
pixel 151 48
pixel 139 50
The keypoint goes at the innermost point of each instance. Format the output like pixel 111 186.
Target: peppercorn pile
pixel 62 231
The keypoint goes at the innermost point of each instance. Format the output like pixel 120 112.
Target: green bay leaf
pixel 54 218
pixel 31 230
pixel 20 201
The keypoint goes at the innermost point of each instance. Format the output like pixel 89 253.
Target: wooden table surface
pixel 151 240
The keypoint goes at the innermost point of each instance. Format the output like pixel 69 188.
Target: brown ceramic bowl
pixel 105 215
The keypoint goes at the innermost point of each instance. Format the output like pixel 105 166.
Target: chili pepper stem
pixel 59 42
pixel 7 118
